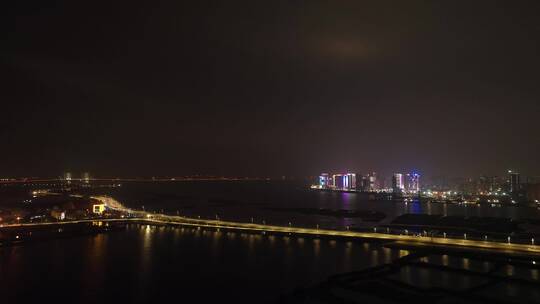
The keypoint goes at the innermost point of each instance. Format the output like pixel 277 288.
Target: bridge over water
pixel 411 240
pixel 407 240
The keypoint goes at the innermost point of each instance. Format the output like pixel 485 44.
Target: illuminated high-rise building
pixel 86 177
pixel 364 183
pixel 349 181
pixel 413 182
pixel 398 186
pixel 67 177
pixel 485 184
pixel 338 181
pixel 369 182
pixel 513 181
pixel 372 178
pixel 324 180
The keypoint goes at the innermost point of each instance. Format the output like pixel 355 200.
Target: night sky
pixel 269 88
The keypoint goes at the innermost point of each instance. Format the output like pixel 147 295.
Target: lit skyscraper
pixel 338 181
pixel 372 177
pixel 369 182
pixel 67 177
pixel 86 177
pixel 398 186
pixel 485 184
pixel 324 180
pixel 513 181
pixel 350 182
pixel 413 182
pixel 364 183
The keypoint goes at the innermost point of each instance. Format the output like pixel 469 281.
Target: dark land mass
pixel 27 234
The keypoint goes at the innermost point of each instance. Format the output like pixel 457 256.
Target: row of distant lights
pixel 406 231
pixel 425 233
pixel 429 192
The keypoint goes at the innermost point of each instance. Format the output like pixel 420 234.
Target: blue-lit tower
pixel 413 182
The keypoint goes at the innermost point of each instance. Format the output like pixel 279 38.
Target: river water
pixel 149 263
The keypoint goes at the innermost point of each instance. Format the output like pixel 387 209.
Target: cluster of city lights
pixel 401 183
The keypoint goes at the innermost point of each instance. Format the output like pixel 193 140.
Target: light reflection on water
pixel 509 270
pixel 466 263
pixel 316 247
pixel 445 260
pixel 146 249
pixel 97 248
pixel 486 266
pixel 374 257
pixel 365 247
pixel 387 255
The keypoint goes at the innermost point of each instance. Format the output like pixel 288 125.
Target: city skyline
pixel 398 182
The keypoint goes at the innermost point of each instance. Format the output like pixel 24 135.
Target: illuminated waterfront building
pixel 338 181
pixel 485 184
pixel 67 177
pixel 413 183
pixel 398 186
pixel 58 214
pixel 364 183
pixel 369 182
pixel 372 179
pixel 324 180
pixel 86 177
pixel 350 181
pixel 513 181
pixel 98 208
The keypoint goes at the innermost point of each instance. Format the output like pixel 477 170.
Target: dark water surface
pixel 149 263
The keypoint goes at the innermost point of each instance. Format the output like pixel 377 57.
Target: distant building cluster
pixel 68 177
pixel 509 188
pixel 509 184
pixel 401 183
pixel 406 183
pixel 346 181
